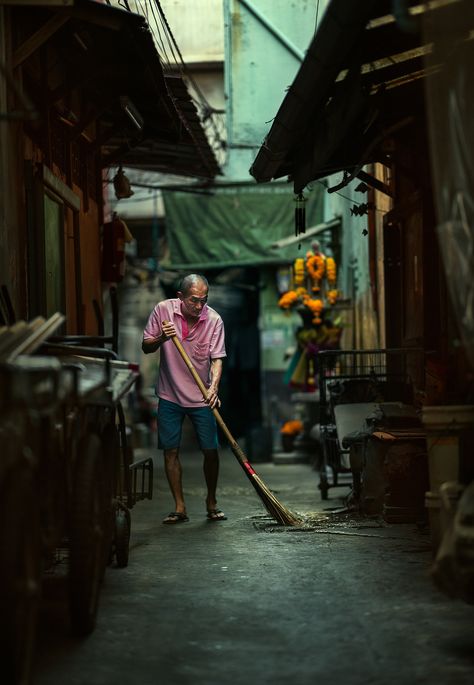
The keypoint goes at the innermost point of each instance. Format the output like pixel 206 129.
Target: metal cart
pixel 67 475
pixel 52 498
pixel 358 379
pixel 129 481
pixel 67 484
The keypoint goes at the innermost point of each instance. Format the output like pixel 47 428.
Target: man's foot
pixel 216 515
pixel 176 517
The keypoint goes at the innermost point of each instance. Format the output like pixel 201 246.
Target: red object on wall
pixel 114 237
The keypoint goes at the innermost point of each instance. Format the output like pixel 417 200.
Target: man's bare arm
pixel 216 373
pixel 150 345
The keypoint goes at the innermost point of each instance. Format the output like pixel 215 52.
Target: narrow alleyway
pixel 243 601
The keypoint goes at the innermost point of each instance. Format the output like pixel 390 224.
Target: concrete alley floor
pixel 243 601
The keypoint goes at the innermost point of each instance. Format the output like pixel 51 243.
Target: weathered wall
pixel 265 42
pixel 12 220
pixel 197 27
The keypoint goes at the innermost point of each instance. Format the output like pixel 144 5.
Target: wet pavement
pixel 244 601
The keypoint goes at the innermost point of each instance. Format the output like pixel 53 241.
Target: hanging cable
pixel 206 110
pixel 172 61
pixel 317 14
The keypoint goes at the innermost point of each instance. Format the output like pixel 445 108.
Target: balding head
pixel 191 281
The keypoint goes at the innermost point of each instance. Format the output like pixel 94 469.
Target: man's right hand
pixel 168 329
pixel 150 345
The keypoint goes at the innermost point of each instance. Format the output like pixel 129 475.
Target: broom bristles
pixel 274 507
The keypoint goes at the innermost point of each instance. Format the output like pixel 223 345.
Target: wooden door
pixel 404 291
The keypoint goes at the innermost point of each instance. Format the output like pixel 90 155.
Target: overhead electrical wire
pixel 204 108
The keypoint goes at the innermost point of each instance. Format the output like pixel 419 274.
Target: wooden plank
pixel 37 336
pixel 11 337
pixel 38 3
pixel 385 40
pixel 38 39
pixel 61 189
pixel 375 183
pixel 24 338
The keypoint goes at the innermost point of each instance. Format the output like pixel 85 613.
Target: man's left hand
pixel 212 398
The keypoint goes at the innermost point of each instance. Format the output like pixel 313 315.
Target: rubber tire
pixel 20 574
pixel 122 537
pixel 86 536
pixel 111 450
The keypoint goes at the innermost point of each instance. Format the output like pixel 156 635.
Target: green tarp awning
pixel 234 227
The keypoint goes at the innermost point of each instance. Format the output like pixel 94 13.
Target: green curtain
pixel 235 227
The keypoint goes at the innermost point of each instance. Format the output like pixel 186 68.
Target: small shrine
pixel 313 295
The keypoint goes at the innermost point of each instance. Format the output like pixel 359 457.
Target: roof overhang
pixel 362 81
pixel 144 119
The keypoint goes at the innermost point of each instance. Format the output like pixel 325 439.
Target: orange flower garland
pixel 315 266
pixel 288 299
pixel 331 272
pixel 316 306
pixel 298 269
pixel 291 297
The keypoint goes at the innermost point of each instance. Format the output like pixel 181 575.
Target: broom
pixel 276 510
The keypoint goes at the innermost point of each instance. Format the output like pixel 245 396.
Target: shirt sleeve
pixel 217 346
pixel 153 327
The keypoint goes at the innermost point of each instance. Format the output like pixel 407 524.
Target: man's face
pixel 194 300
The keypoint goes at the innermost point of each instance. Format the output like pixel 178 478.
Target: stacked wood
pixel 25 337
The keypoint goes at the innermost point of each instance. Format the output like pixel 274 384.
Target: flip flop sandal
pixel 216 515
pixel 175 517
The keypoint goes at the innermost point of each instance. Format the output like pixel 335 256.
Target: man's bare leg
pixel 211 473
pixel 174 473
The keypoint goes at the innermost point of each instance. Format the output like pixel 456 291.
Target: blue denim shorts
pixel 170 422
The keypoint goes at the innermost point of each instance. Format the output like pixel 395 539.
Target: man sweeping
pixel 201 331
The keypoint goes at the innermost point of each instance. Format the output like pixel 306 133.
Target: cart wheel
pixel 20 575
pixel 111 451
pixel 86 538
pixel 122 537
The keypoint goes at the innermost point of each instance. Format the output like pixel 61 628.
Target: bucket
pixel 443 425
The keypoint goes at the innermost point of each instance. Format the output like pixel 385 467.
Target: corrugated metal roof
pixel 109 53
pixel 361 76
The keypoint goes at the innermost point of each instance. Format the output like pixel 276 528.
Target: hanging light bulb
pixel 122 185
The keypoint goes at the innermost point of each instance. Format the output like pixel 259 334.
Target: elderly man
pixel 201 331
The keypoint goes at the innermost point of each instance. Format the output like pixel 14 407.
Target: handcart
pixel 67 480
pixel 67 484
pixel 129 481
pixel 52 500
pixel 351 384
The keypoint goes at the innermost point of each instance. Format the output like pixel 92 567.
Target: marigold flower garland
pixel 316 306
pixel 315 267
pixel 331 271
pixel 298 270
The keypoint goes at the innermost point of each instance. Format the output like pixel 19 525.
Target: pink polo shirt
pixel 203 342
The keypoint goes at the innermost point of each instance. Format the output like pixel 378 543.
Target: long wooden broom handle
pixel 235 447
